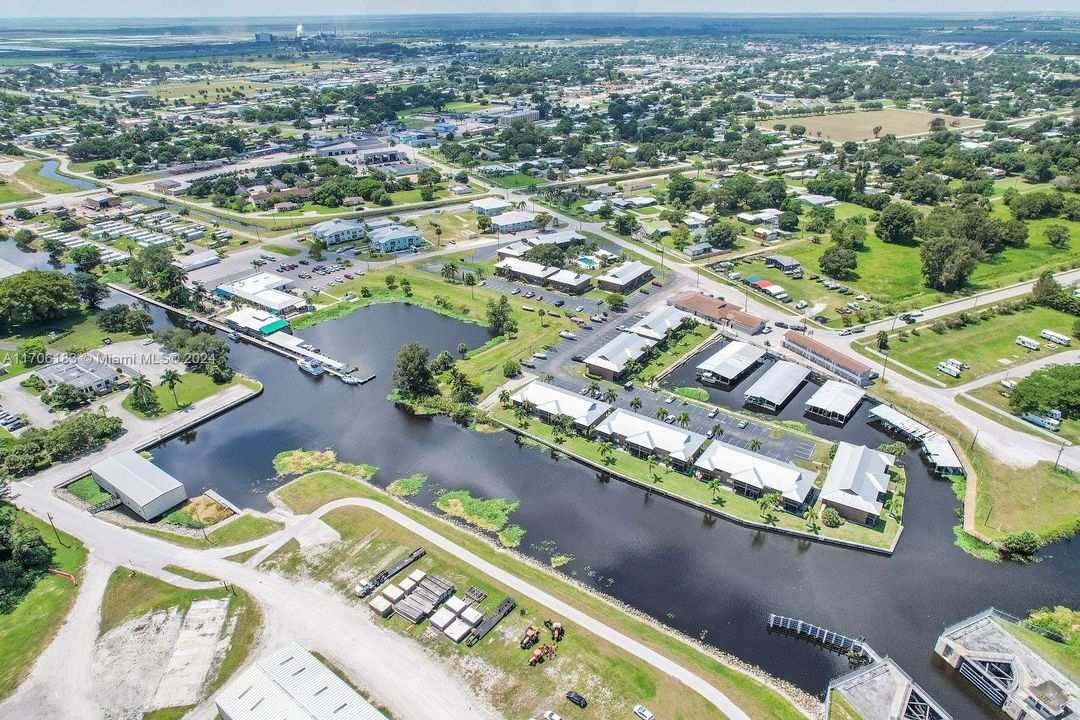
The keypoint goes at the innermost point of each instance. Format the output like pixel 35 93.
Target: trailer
pixel 490 621
pixel 1056 338
pixel 369 586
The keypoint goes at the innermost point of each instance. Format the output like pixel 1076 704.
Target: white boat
pixel 311 367
pixel 349 380
pixel 234 336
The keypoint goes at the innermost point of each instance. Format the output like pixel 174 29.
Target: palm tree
pixel 462 350
pixel 767 502
pixel 593 387
pixel 714 487
pixel 811 522
pixel 683 419
pixel 449 270
pixel 459 384
pixel 717 429
pixel 610 395
pixel 504 398
pixel 541 313
pixel 605 451
pixel 142 394
pixel 755 445
pixel 170 379
pixel 635 403
pixel 198 295
pixel 171 282
pixel 661 413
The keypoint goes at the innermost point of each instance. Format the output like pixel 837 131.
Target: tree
pixel 625 224
pixel 788 221
pixel 23 239
pixel 170 282
pixel 88 289
pixel 882 340
pixel 755 445
pixel 26 555
pixel 661 413
pixel 541 220
pixel 1057 236
pixel 462 350
pixel 31 353
pixel 1020 546
pixel 821 218
pixel 724 234
pixel 838 262
pixel 504 398
pixel 948 262
pixel 541 313
pixel 615 301
pixel 831 518
pixel 610 395
pixel 412 375
pixel 461 388
pixel 1053 388
pixel 66 397
pixel 683 419
pixel 143 397
pixel 316 249
pixel 499 318
pixel 35 297
pixel 511 369
pixel 449 270
pixel 483 223
pixel 897 224
pixel 85 258
pixel 635 403
pixel 170 379
pixel 22 213
pixel 768 501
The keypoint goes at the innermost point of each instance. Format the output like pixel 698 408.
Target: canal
pixel 49 170
pixel 714 580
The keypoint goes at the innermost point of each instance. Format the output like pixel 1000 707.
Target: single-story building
pixel 773 389
pixel 525 270
pixel 610 361
pixel 720 312
pixel 256 322
pixel 845 367
pixel 292 683
pixel 936 448
pixel 490 206
pixel 102 203
pixel 817 200
pixel 767 216
pixel 754 475
pixel 594 207
pixel 196 261
pixel 263 290
pixel 857 483
pixel 516 221
pixel 549 403
pixel 835 400
pixel 783 263
pixel 730 363
pixel 660 323
pixel 696 220
pixel 625 278
pixel 85 372
pixel 141 485
pixel 571 282
pixel 645 436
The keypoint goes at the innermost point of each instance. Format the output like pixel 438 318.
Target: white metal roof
pixel 732 360
pixel 778 383
pixel 897 419
pixel 659 323
pixel 556 401
pixel 758 471
pixel 836 397
pixel 291 684
pixel 135 477
pixel 527 268
pixel 857 477
pixel 513 218
pixel 620 350
pixel 626 272
pixel 648 433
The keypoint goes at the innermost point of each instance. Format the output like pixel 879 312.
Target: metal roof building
pixel 646 436
pixel 857 482
pixel 773 389
pixel 936 448
pixel 610 360
pixel 291 684
pixel 550 401
pixel 730 363
pixel 658 324
pixel 625 277
pixel 835 400
pixel 140 484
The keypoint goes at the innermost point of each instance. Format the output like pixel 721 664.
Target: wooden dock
pixel 832 641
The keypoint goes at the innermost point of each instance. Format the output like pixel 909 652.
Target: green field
pixel 996 395
pixel 13 192
pixel 612 679
pixel 672 351
pixel 280 250
pixel 988 346
pixel 28 173
pixel 87 489
pixel 75 333
pixel 28 630
pixel 192 388
pixel 517 180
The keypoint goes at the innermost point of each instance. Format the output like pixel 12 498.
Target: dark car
pixel 576 699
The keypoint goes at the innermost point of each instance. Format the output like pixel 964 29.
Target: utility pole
pixel 977 437
pixel 63 544
pixel 1056 460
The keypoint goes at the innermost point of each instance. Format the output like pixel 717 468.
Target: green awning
pixel 274 325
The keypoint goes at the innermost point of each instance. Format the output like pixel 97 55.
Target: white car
pixel 552 715
pixel 148 341
pixel 643 712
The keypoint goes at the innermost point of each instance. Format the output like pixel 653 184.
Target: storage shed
pixel 141 485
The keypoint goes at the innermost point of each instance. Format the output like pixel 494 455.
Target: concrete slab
pixel 316 533
pixel 192 655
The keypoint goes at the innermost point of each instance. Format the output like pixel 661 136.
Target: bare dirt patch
pixel 860 126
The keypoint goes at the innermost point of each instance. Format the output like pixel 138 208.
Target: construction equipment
pixel 537 656
pixel 369 586
pixel 556 630
pixel 532 635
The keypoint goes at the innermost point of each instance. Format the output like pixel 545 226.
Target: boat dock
pixel 832 641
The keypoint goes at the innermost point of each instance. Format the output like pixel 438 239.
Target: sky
pixel 293 8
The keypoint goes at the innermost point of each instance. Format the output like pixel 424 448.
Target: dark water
pixel 48 170
pixel 663 558
pixel 195 214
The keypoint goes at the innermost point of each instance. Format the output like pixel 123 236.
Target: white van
pixel 1024 341
pixel 1056 338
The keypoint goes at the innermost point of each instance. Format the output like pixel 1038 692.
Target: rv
pixel 1027 342
pixel 1055 337
pixel 1009 385
pixel 949 369
pixel 1041 421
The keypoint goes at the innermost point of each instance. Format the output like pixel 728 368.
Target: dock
pixel 832 641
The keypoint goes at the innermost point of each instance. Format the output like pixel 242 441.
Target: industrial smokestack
pixel 299 30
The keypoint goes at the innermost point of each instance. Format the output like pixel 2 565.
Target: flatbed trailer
pixel 390 571
pixel 490 621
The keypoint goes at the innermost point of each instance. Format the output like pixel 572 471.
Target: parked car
pixel 643 712
pixel 549 715
pixel 576 699
pixel 713 413
pixel 560 303
pixel 743 423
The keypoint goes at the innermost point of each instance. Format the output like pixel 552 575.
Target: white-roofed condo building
pixel 644 436
pixel 612 360
pixel 625 278
pixel 857 483
pixel 754 475
pixel 550 403
pixel 773 389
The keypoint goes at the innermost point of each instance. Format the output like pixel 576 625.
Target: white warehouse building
pixel 141 485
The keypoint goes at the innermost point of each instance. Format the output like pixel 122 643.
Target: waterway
pixel 49 170
pixel 197 214
pixel 714 580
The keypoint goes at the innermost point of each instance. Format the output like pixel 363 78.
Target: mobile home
pixel 1055 337
pixel 1024 341
pixel 1042 421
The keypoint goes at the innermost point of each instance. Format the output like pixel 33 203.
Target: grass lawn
pixel 14 192
pixel 840 709
pixel 130 594
pixel 76 332
pixel 28 173
pixel 859 125
pixel 192 388
pixel 280 250
pixel 993 394
pixel 405 197
pixel 311 492
pixel 87 489
pixel 189 574
pixel 28 630
pixel 517 180
pixel 611 679
pixel 988 346
pixel 244 529
pixel 672 351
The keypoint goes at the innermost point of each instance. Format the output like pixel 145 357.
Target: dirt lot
pixel 860 125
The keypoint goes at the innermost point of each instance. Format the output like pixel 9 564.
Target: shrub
pixel 511 369
pixel 1020 546
pixel 831 518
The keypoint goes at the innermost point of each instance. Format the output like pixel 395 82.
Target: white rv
pixel 1024 341
pixel 1055 337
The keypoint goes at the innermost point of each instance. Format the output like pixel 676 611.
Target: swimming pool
pixel 586 262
